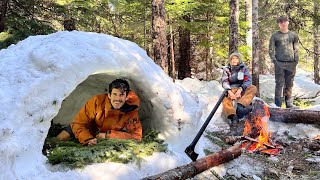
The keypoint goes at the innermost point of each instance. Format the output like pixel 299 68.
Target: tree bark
pixel 159 37
pixel 69 24
pixel 316 44
pixel 255 46
pixel 196 167
pixel 173 71
pixel 145 25
pixel 249 21
pixel 294 116
pixel 3 12
pixel 233 27
pixel 184 51
pixel 209 51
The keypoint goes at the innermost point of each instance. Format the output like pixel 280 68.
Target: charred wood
pixel 314 145
pixel 234 139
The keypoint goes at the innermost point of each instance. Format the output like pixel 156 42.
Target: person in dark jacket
pixel 237 80
pixel 283 51
pixel 112 115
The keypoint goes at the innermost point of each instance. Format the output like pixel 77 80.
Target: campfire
pixel 256 138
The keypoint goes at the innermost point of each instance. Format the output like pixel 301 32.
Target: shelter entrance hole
pixel 96 84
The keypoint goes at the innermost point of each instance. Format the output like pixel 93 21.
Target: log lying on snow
pixel 294 116
pixel 196 167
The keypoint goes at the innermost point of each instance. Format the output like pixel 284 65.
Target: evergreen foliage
pixel 74 155
pixel 131 20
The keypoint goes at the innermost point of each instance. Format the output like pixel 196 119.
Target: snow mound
pixel 39 72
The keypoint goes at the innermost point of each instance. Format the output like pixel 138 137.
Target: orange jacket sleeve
pixel 81 123
pixel 133 127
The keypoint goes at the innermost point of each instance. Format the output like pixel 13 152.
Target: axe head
pixel 190 152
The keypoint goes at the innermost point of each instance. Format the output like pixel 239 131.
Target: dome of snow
pixel 49 77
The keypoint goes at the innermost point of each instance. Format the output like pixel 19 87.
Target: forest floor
pixel 300 159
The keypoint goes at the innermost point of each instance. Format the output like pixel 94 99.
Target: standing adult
pixel 283 51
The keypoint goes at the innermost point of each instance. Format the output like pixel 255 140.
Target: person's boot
pixel 243 111
pixel 63 136
pixel 278 101
pixel 289 102
pixel 235 126
pixel 234 120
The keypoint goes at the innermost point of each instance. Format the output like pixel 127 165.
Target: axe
pixel 190 149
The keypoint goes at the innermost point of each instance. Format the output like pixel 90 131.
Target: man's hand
pixel 92 142
pixel 101 135
pixel 231 95
pixel 238 93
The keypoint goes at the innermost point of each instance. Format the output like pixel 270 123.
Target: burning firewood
pixel 200 165
pixel 256 136
pixel 234 139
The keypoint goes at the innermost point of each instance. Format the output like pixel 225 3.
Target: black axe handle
pixel 190 149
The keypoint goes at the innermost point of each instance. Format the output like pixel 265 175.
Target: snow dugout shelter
pixel 50 77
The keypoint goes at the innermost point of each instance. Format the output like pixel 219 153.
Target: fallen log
pixel 294 116
pixel 200 165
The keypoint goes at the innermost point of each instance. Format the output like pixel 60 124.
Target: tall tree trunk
pixel 209 51
pixel 145 25
pixel 255 45
pixel 69 24
pixel 249 21
pixel 3 12
pixel 210 60
pixel 173 71
pixel 264 67
pixel 316 46
pixel 184 69
pixel 159 37
pixel 233 27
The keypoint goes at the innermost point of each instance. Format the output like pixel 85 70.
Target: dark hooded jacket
pixel 232 75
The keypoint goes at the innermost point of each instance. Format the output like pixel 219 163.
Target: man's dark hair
pixel 282 19
pixel 120 84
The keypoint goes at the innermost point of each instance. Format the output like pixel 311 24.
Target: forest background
pixel 187 38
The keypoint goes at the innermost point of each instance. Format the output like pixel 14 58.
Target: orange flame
pixel 260 123
pixel 247 128
pixel 256 126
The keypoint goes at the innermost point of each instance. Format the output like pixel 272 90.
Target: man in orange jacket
pixel 112 115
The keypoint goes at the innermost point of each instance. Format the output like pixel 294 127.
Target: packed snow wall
pixel 41 72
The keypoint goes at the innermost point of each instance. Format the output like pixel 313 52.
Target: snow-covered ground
pixel 39 73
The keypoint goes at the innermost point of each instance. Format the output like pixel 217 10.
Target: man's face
pixel 283 25
pixel 234 61
pixel 117 98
